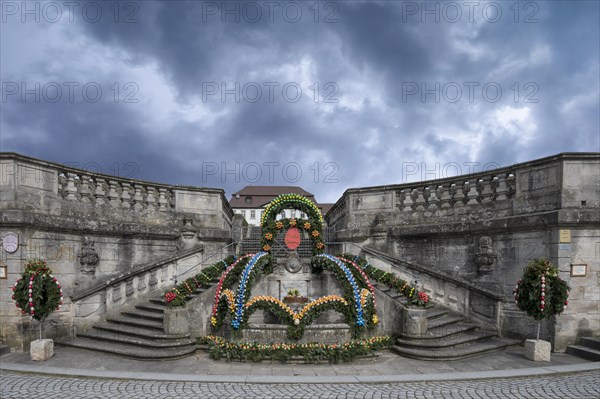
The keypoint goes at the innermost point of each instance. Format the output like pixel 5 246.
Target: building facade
pixel 251 201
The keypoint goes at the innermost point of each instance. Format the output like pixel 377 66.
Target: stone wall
pixel 483 228
pixel 93 228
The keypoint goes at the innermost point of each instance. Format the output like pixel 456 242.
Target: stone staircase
pixel 137 333
pixel 589 349
pixel 449 336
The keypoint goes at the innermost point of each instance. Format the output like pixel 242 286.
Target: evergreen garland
pixel 540 292
pixel 37 293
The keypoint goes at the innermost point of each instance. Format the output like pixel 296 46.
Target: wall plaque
pixel 579 270
pixel 10 242
pixel 3 272
pixel 564 235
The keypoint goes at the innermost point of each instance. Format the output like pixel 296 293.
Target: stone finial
pixel 88 257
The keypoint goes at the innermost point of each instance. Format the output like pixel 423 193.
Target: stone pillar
pixel 414 321
pixel 176 321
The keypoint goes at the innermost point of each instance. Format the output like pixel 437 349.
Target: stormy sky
pixel 324 95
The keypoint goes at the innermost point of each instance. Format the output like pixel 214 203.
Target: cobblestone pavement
pixel 576 385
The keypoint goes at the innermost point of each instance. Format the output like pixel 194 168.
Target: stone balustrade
pixel 111 296
pixel 431 199
pixel 98 232
pixel 114 192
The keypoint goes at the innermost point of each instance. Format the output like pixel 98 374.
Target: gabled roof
pixel 259 196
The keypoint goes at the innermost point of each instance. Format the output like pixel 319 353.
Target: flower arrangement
pixel 348 279
pixel 388 279
pixel 540 292
pixel 243 291
pixel 420 299
pixel 178 295
pixel 37 293
pixel 297 321
pixel 226 280
pixel 312 352
pixel 295 201
pixel 293 296
pixel 272 228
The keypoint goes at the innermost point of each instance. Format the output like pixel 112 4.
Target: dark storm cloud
pixel 372 51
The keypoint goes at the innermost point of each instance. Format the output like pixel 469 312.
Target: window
pixel 248 200
pixel 252 214
pixel 293 213
pixel 243 213
pixel 302 215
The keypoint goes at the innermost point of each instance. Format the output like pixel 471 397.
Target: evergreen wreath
pixel 37 293
pixel 540 292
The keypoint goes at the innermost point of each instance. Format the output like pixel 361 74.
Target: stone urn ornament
pixel 37 294
pixel 542 295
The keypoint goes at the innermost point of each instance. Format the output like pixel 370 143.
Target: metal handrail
pixel 212 254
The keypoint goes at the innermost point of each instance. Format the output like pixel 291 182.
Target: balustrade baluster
pixel 85 190
pixel 138 198
pixel 99 192
pixel 162 200
pixel 71 188
pixel 113 194
pixel 126 195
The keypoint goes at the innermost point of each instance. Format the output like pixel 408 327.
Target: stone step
pixel 133 321
pixel 146 315
pixel 157 301
pixel 446 342
pixel 151 307
pixel 137 331
pixel 435 313
pixel 443 321
pixel 4 349
pixel 131 351
pixel 111 336
pixel 446 331
pixel 456 352
pixel 584 352
pixel 591 342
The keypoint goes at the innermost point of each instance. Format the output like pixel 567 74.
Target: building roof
pixel 325 207
pixel 259 196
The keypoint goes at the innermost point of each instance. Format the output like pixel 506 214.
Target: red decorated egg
pixel 292 238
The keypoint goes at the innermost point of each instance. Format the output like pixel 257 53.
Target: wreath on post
pixel 37 293
pixel 540 292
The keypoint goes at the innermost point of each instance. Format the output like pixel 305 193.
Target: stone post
pixel 176 321
pixel 41 349
pixel 414 321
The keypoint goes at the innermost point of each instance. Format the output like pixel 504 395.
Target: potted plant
pixel 293 297
pixel 414 320
pixel 176 318
pixel 542 295
pixel 38 293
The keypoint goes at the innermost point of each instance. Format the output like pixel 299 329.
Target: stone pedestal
pixel 176 321
pixel 41 349
pixel 414 321
pixel 537 350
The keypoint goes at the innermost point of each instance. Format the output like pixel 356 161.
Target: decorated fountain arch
pixel 354 299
